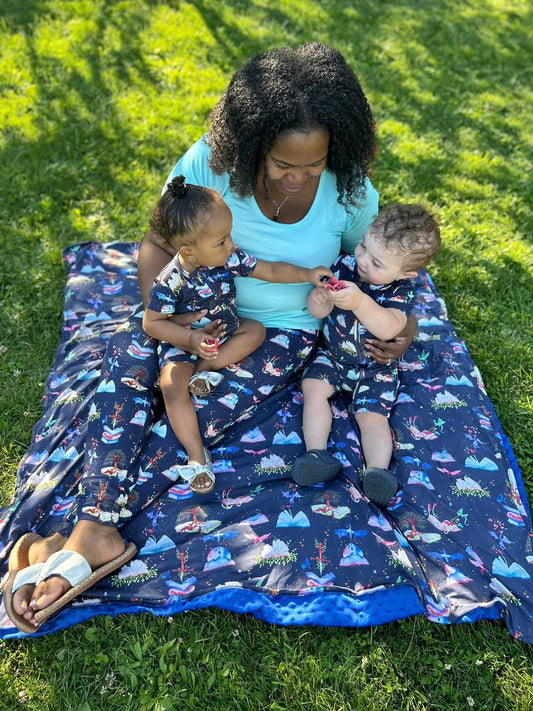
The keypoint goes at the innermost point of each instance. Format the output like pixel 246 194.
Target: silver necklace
pixel 278 205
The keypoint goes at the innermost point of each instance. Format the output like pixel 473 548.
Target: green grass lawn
pixel 98 99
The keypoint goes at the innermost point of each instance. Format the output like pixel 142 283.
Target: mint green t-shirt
pixel 316 239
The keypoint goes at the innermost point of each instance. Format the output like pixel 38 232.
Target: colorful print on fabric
pixel 454 545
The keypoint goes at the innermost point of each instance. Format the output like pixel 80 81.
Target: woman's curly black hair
pixel 286 90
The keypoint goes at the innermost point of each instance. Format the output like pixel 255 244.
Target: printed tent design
pixel 455 544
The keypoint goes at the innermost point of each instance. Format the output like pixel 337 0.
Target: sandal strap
pixel 70 565
pixel 210 378
pixel 191 469
pixel 27 576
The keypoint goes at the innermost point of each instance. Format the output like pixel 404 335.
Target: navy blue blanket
pixel 455 544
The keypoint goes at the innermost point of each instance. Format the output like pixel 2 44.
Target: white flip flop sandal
pixel 79 574
pixel 68 564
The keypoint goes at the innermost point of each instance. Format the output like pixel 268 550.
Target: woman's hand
pixel 385 351
pixel 319 275
pixel 215 329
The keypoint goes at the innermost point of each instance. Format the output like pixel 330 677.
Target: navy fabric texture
pixel 454 545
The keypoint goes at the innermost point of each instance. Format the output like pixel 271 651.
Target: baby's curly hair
pixel 412 230
pixel 283 90
pixel 180 211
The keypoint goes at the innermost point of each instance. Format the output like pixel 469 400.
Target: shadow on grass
pixel 77 121
pixel 453 74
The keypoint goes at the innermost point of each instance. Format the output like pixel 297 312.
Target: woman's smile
pixel 291 189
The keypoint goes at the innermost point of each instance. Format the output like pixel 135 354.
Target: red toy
pixel 334 284
pixel 212 345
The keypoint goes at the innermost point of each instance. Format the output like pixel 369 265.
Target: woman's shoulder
pixel 200 148
pixel 366 201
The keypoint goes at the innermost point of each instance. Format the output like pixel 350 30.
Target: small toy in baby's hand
pixel 333 284
pixel 212 345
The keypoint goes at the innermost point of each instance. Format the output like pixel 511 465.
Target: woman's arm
pixel 159 326
pixel 285 273
pixel 153 256
pixel 384 351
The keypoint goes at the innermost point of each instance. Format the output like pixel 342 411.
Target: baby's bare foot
pixel 201 484
pixel 200 386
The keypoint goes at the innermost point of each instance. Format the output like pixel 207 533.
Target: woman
pixel 290 144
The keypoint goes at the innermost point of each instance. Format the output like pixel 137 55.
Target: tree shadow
pixel 422 81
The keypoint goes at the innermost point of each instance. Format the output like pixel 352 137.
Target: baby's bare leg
pixel 181 412
pixel 316 413
pixel 376 439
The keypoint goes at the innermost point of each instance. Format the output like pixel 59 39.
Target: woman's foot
pixel 39 552
pixel 97 543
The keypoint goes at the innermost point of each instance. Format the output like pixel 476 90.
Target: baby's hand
pixel 320 296
pixel 334 284
pixel 349 298
pixel 212 345
pixel 319 276
pixel 201 344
